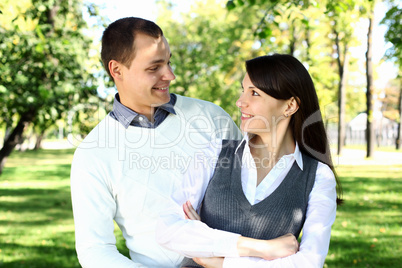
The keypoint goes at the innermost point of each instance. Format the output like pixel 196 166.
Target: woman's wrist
pixel 279 247
pixel 252 247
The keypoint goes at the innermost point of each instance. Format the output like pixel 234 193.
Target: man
pixel 130 167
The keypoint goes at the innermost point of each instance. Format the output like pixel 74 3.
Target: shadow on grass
pixel 39 172
pixel 39 256
pixel 37 200
pixel 380 205
pixel 372 193
pixel 358 252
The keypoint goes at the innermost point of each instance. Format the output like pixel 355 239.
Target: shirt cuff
pixel 228 263
pixel 227 245
pixel 240 262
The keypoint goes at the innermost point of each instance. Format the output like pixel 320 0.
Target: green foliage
pixel 84 117
pixel 45 67
pixel 232 4
pixel 394 33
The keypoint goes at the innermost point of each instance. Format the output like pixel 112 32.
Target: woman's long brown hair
pixel 283 76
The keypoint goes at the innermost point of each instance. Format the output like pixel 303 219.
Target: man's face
pixel 145 84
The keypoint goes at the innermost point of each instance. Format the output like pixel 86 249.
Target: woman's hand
pixel 190 212
pixel 279 247
pixel 282 246
pixel 215 262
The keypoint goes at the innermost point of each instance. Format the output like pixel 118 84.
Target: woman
pixel 280 178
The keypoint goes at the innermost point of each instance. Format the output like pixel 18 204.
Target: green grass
pixel 367 231
pixel 37 230
pixel 36 222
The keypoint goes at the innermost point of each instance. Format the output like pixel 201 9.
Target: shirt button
pixel 141 118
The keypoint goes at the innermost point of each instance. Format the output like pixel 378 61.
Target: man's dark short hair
pixel 118 39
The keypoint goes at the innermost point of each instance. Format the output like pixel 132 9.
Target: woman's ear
pixel 115 69
pixel 292 106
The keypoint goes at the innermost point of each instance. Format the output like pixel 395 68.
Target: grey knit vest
pixel 225 207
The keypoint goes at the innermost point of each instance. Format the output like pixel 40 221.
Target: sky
pixel 115 9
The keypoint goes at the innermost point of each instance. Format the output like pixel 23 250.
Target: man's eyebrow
pixel 159 60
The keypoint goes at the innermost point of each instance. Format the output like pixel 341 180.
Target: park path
pixel 358 157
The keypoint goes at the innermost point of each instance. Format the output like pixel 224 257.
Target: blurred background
pixel 53 91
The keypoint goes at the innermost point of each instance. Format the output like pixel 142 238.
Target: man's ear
pixel 292 106
pixel 115 69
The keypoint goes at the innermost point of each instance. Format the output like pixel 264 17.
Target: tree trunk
pixel 399 134
pixel 6 133
pixel 39 139
pixel 370 138
pixel 342 104
pixel 14 138
pixel 341 90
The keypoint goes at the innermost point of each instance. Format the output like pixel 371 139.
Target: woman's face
pixel 261 114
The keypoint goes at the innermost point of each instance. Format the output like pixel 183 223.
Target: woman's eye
pixel 255 93
pixel 154 68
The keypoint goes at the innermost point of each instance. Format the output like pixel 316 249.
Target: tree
pixel 46 64
pixel 340 15
pixel 370 138
pixel 394 36
pixel 398 141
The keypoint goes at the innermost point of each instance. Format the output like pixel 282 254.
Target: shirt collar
pixel 297 153
pixel 244 140
pixel 169 107
pixel 125 115
pixel 298 156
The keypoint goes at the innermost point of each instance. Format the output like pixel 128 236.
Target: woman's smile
pixel 245 116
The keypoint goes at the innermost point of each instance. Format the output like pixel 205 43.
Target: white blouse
pixel 196 239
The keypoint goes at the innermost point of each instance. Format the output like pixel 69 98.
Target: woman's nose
pixel 241 102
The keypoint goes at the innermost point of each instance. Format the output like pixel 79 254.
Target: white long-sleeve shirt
pixel 195 239
pixel 129 176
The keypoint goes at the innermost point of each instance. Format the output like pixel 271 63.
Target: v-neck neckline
pixel 236 182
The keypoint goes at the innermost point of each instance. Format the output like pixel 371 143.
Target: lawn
pixel 367 231
pixel 36 224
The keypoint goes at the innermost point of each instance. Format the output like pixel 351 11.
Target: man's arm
pixel 94 208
